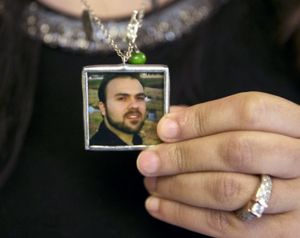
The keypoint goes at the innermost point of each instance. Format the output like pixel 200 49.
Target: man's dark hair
pixel 110 77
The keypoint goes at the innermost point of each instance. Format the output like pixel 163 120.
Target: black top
pixel 104 136
pixel 60 190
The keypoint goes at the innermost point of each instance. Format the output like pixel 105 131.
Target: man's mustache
pixel 133 111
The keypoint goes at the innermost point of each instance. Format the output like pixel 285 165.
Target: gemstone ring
pixel 256 206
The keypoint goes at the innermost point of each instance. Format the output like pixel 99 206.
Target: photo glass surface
pixel 123 104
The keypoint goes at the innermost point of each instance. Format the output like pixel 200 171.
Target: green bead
pixel 137 58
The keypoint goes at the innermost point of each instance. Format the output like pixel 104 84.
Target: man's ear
pixel 102 108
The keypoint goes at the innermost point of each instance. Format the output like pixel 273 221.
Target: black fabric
pixel 106 137
pixel 60 190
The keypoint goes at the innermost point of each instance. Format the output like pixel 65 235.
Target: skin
pixel 125 108
pixel 106 9
pixel 209 167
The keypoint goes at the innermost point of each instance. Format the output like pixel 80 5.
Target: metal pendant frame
pixel 97 72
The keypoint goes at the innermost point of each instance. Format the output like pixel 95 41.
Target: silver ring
pixel 256 206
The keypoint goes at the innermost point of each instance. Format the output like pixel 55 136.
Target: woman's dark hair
pixel 289 32
pixel 18 66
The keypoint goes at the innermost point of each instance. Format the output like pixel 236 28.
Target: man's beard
pixel 122 126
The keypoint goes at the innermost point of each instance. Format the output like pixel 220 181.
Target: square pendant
pixel 122 105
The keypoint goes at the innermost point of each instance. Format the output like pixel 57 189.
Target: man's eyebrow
pixel 122 94
pixel 127 94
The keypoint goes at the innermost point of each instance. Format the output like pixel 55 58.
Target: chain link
pixel 132 29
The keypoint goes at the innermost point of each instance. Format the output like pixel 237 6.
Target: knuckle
pixel 198 121
pixel 226 189
pixel 239 152
pixel 252 107
pixel 179 156
pixel 219 222
pixel 170 186
pixel 179 214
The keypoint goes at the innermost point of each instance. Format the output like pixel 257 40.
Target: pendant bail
pixel 123 60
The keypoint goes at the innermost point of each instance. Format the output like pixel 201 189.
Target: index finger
pixel 244 111
pixel 241 152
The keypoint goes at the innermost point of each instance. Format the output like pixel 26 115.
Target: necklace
pixel 132 30
pixel 131 97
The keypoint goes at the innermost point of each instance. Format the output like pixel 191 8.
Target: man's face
pixel 125 107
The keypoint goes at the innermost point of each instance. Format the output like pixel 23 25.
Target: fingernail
pixel 148 162
pixel 152 204
pixel 150 184
pixel 169 128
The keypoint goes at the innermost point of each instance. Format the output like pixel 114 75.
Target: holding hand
pixel 208 168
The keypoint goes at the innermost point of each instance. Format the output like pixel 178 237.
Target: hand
pixel 209 166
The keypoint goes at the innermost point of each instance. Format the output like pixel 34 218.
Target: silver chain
pixel 132 30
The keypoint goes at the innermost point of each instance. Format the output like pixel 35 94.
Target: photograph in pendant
pixel 124 108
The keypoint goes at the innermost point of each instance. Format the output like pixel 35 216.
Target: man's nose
pixel 134 103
